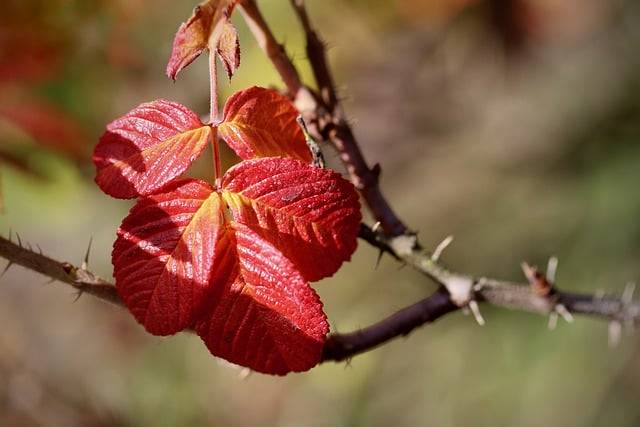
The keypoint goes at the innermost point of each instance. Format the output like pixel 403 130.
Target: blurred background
pixel 512 124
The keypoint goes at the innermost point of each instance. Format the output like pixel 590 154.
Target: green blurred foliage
pixel 521 150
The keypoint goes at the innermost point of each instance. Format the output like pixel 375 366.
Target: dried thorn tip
pixel 475 310
pixel 552 269
pixel 615 333
pixel 380 253
pixel 566 314
pixel 244 374
pixel 627 295
pixel 553 321
pixel 78 295
pixel 9 264
pixel 441 247
pixel 85 261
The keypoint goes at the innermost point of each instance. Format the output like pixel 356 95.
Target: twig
pixel 340 347
pixel 343 346
pixel 274 50
pixel 81 279
pixel 323 122
pixel 456 290
pixel 325 118
pixel 316 48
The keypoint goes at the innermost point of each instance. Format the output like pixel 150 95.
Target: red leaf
pixel 228 48
pixel 177 263
pixel 167 253
pixel 267 318
pixel 148 147
pixel 260 122
pixel 203 30
pixel 311 215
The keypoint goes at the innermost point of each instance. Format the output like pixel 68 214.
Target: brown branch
pixel 80 278
pixel 341 346
pixel 274 50
pixel 316 49
pixel 325 123
pixel 456 290
pixel 326 120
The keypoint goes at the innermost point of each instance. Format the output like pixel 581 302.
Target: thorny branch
pixel 344 346
pixel 323 114
pixel 325 122
pixel 80 278
pixel 325 117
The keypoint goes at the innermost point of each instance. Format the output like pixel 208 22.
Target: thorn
pixel 48 282
pixel 314 147
pixel 380 253
pixel 529 271
pixel 9 264
pixel 475 310
pixel 19 240
pixel 376 227
pixel 615 333
pixel 244 374
pixel 479 285
pixel 553 321
pixel 78 295
pixel 441 247
pixel 627 295
pixel 39 249
pixel 627 300
pixel 552 268
pixel 562 311
pixel 85 261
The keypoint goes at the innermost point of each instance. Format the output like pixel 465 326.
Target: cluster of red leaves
pixel 209 27
pixel 232 261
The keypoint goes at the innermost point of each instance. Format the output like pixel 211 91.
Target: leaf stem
pixel 213 116
pixel 213 87
pixel 217 164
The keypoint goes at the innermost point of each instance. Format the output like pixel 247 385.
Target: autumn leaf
pixel 148 147
pixel 165 254
pixel 240 278
pixel 260 122
pixel 228 48
pixel 268 318
pixel 207 28
pixel 311 215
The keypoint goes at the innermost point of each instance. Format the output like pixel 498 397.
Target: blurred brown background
pixel 512 124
